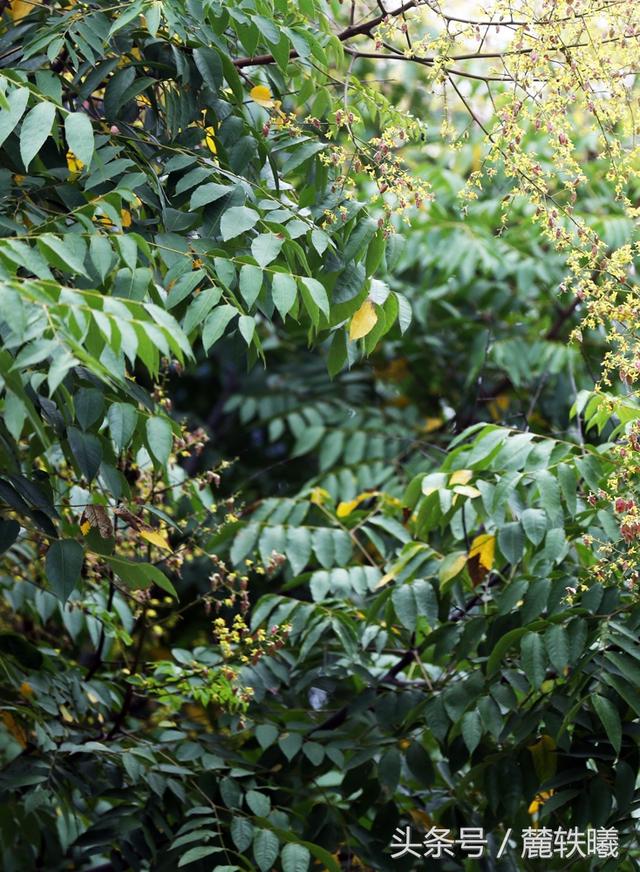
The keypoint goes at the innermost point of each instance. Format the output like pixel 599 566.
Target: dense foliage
pixel 315 523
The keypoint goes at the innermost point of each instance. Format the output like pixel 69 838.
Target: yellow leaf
pixel 261 95
pixel 210 140
pixel 19 9
pixel 460 476
pixel 498 406
pixel 126 217
pixel 345 509
pixel 66 714
pixel 74 164
pixel 364 320
pixel 466 490
pixel 156 539
pixel 432 424
pixel 14 728
pixel 539 801
pixel 26 690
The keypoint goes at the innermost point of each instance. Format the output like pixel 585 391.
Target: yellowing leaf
pixel 483 547
pixel 466 490
pixel 421 818
pixel 460 476
pixel 319 496
pixel 451 566
pixel 126 217
pixel 545 757
pixel 345 509
pixel 74 164
pixel 261 95
pixel 364 320
pixel 481 556
pixel 156 539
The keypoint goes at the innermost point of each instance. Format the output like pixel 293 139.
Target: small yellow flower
pixel 74 164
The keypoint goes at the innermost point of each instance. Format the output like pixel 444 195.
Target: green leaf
pixel 247 327
pixel 511 542
pixel 283 292
pixel 241 832
pixel 266 734
pixel 159 438
pixel 25 653
pixel 265 849
pixel 139 576
pixel 250 283
pixel 9 531
pixel 197 854
pixel 200 307
pixel 206 194
pixel 420 764
pixel 317 292
pixel 89 403
pixel 216 324
pixel 9 116
pixel 87 451
pixel 405 605
pixel 557 645
pixel 534 660
pixel 535 524
pixel 79 132
pixel 237 220
pixel 266 247
pixel 295 858
pixel 290 744
pixel 36 128
pixel 608 714
pixel 63 566
pixel 259 804
pixel 209 66
pixel 298 548
pixel 122 419
pixel 472 729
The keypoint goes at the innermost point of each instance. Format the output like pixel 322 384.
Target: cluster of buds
pixel 240 643
pixel 209 478
pixel 630 530
pixel 192 441
pixel 276 560
pixel 233 586
pixel 622 505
